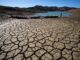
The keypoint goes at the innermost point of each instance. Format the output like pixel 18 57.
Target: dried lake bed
pixel 40 39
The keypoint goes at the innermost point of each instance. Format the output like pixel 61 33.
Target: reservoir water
pixel 53 13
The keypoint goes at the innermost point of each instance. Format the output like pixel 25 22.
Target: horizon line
pixel 38 5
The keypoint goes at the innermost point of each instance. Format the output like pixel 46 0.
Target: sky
pixel 30 3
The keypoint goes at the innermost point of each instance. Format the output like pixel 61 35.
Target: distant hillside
pixel 37 8
pixel 53 8
pixel 75 12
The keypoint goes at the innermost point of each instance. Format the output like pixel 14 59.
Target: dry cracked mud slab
pixel 40 40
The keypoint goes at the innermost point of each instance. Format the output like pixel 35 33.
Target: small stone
pixel 44 35
pixel 7 48
pixel 35 57
pixel 58 45
pixel 10 54
pixel 14 47
pixel 67 54
pixel 22 43
pixel 24 48
pixel 21 37
pixel 40 37
pixel 48 42
pixel 76 55
pixel 54 51
pixel 1 43
pixel 18 57
pixel 31 39
pixel 17 42
pixel 57 56
pixel 48 48
pixel 65 41
pixel 79 45
pixel 68 46
pixel 7 41
pixel 42 41
pixel 12 33
pixel 66 51
pixel 47 57
pixel 40 52
pixel 38 44
pixel 14 39
pixel 51 39
pixel 31 45
pixel 30 34
pixel 27 53
pixel 2 56
pixel 17 51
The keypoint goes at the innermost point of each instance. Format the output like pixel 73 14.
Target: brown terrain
pixel 75 12
pixel 41 39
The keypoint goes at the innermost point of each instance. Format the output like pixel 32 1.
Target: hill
pixel 29 10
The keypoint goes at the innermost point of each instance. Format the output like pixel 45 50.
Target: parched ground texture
pixel 40 39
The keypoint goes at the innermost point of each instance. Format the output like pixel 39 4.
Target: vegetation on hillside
pixel 37 8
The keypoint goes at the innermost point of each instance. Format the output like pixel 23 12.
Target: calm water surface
pixel 53 13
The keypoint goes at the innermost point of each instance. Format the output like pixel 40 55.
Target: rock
pixel 40 52
pixel 67 54
pixel 31 45
pixel 76 55
pixel 18 57
pixel 58 45
pixel 56 56
pixel 46 57
pixel 27 53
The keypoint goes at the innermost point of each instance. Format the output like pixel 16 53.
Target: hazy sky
pixel 29 3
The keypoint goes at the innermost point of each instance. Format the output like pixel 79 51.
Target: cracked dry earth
pixel 47 39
